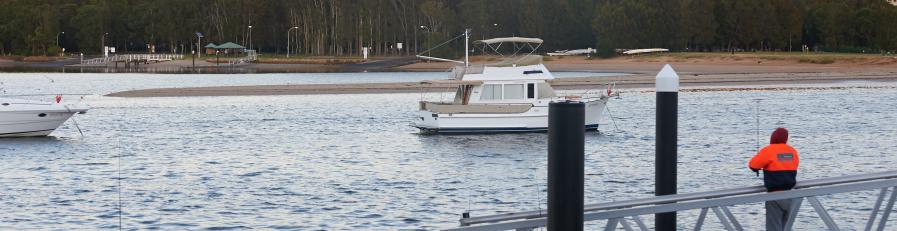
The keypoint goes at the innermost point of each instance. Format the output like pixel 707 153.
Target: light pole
pixel 429 46
pixel 103 43
pixel 57 37
pixel 288 39
pixel 57 41
pixel 198 44
pixel 250 37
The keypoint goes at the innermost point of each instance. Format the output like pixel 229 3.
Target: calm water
pixel 339 162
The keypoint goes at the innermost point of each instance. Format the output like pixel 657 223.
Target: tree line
pixel 343 27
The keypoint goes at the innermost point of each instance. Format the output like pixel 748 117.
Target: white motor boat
pixel 510 96
pixel 24 118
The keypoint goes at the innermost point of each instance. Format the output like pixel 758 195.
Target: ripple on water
pixel 310 162
pixel 239 227
pixel 251 174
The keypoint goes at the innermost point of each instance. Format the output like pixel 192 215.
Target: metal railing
pixel 133 57
pixel 622 212
pixel 46 99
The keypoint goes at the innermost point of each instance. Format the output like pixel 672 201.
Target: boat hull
pixel 533 120
pixel 26 118
pixel 28 124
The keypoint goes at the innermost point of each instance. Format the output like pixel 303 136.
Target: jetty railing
pixel 620 213
pixel 133 58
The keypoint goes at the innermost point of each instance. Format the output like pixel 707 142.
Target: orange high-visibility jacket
pixel 779 163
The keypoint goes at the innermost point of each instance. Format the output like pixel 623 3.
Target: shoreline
pixel 685 63
pixel 202 66
pixel 714 70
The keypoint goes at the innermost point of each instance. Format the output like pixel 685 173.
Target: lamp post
pixel 103 43
pixel 250 37
pixel 198 44
pixel 57 41
pixel 288 39
pixel 429 46
pixel 57 37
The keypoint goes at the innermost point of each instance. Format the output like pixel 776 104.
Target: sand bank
pixel 631 81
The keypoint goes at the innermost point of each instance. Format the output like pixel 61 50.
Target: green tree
pixel 90 23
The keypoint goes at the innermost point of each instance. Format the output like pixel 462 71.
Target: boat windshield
pixel 519 61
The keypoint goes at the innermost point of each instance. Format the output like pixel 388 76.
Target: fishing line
pixel 78 127
pixel 757 122
pixel 611 117
pixel 120 147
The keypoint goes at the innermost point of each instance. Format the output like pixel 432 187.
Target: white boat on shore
pixel 509 96
pixel 27 118
pixel 645 51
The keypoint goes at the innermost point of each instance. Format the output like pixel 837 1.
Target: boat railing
pixel 48 98
pixel 621 213
pixel 582 96
pixel 424 105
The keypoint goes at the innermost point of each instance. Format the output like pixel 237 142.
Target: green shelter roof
pixel 211 45
pixel 229 45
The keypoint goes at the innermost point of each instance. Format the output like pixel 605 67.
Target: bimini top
pixel 511 39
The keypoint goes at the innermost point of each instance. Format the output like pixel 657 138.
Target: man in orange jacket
pixel 779 163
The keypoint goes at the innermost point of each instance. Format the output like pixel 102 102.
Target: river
pixel 338 162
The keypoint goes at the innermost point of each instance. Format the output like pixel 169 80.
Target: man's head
pixel 779 136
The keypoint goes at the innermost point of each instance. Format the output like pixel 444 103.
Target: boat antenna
pixel 466 48
pixel 421 56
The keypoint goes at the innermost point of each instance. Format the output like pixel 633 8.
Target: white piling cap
pixel 667 80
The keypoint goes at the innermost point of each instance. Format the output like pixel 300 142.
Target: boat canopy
pixel 511 39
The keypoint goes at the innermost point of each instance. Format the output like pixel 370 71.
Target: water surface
pixel 340 162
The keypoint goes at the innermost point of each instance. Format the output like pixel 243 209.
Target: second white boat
pixel 510 96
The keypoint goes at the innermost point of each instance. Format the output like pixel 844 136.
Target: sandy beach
pixel 713 73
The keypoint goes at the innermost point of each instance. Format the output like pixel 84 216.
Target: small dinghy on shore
pixel 27 118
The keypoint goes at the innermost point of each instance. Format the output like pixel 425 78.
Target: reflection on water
pixel 341 162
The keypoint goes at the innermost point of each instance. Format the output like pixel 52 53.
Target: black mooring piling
pixel 667 84
pixel 566 163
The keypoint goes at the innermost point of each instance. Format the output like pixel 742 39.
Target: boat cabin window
pixel 530 90
pixel 513 91
pixel 532 72
pixel 491 92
